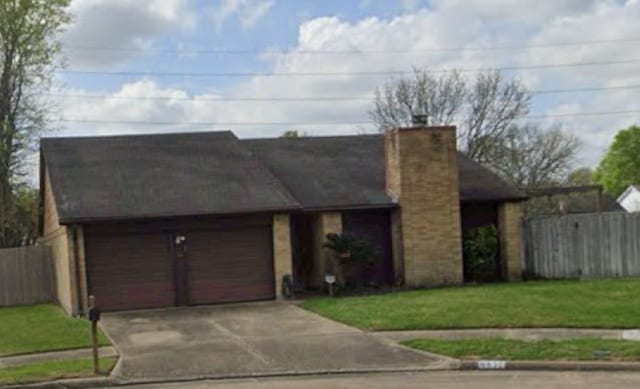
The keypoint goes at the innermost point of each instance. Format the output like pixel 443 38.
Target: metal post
pixel 94 335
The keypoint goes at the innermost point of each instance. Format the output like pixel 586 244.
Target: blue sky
pixel 284 36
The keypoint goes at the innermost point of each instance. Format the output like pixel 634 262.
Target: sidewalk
pixel 26 359
pixel 529 334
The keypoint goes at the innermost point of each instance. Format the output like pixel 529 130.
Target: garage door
pixel 130 271
pixel 229 265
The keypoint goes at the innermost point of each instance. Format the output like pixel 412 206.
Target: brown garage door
pixel 229 265
pixel 130 271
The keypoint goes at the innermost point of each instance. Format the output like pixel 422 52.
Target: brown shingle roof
pixel 159 175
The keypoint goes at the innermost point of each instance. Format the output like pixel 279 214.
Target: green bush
pixel 481 255
pixel 349 249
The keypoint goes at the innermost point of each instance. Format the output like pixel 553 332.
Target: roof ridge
pixel 138 135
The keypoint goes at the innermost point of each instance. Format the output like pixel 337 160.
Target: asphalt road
pixel 440 380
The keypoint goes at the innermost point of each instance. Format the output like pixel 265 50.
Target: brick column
pixel 396 247
pixel 82 270
pixel 323 223
pixel 282 259
pixel 422 177
pixel 509 226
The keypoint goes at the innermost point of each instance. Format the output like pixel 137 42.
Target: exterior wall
pixel 475 215
pixel 630 200
pixel 422 175
pixel 60 239
pixel 323 223
pixel 82 269
pixel 509 225
pixel 396 246
pixel 282 259
pixel 373 226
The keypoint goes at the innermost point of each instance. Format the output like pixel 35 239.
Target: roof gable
pixel 159 175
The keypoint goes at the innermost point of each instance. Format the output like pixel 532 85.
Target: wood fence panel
pixel 598 245
pixel 26 275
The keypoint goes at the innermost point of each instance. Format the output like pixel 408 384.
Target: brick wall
pixel 59 238
pixel 509 225
pixel 422 176
pixel 323 223
pixel 282 260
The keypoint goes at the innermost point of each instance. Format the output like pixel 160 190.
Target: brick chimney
pixel 422 177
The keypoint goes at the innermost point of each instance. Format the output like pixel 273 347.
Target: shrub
pixel 481 255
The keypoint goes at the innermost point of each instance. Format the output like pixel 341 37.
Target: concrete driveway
pixel 246 340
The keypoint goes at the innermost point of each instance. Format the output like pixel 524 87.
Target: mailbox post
pixel 93 314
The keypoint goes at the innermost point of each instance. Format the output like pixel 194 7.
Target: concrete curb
pixel 75 383
pixel 528 334
pixel 448 365
pixel 549 365
pixel 292 373
pixel 27 359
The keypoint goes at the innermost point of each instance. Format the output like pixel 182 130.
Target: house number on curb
pixel 492 365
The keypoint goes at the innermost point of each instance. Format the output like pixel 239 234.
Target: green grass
pixel 53 370
pixel 586 349
pixel 39 328
pixel 576 304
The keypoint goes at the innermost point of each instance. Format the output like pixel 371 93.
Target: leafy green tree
pixel 580 176
pixel 29 53
pixel 620 166
pixel 23 218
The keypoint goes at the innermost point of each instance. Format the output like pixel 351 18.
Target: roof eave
pixel 101 219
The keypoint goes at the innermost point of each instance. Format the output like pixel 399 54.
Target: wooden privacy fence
pixel 594 245
pixel 26 275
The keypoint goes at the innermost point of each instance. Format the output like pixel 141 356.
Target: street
pixel 440 380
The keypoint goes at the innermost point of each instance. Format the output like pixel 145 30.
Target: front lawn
pixel 586 349
pixel 53 370
pixel 577 304
pixel 39 328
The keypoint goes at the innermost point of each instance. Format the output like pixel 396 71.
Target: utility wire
pixel 224 51
pixel 334 74
pixel 163 123
pixel 304 98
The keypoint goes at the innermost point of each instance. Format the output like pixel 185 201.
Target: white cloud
pixel 121 23
pixel 248 12
pixel 410 5
pixel 449 24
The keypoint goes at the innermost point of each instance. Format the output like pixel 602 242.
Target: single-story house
pixel 147 221
pixel 630 199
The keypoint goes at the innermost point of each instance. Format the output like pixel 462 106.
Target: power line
pixel 224 51
pixel 334 74
pixel 294 99
pixel 318 123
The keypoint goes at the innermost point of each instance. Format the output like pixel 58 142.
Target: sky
pixel 141 66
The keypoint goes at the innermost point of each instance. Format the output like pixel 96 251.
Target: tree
pixel 23 221
pixel 488 110
pixel 29 48
pixel 580 177
pixel 486 107
pixel 620 166
pixel 529 156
